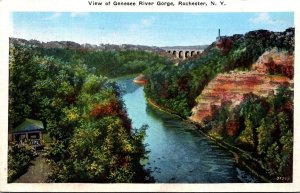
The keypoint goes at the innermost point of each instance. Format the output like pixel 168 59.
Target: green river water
pixel 178 153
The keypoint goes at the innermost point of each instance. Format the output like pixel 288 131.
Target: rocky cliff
pixel 271 70
pixel 275 62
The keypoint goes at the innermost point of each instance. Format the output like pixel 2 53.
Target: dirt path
pixel 37 172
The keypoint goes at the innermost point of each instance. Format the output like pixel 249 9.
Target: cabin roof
pixel 29 125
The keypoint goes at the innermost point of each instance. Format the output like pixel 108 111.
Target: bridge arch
pixel 181 54
pixel 175 53
pixel 184 53
pixel 187 54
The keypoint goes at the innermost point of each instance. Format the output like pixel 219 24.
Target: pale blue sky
pixel 153 29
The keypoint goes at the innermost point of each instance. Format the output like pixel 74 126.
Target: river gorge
pixel 178 153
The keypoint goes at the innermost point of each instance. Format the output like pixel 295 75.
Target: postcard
pixel 109 96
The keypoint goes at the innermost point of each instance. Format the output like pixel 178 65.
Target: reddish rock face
pixel 224 44
pixel 140 79
pixel 275 62
pixel 231 87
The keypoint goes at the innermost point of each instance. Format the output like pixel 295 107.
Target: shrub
pixel 19 158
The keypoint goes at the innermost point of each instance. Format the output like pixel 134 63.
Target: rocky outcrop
pixel 140 79
pixel 230 88
pixel 275 62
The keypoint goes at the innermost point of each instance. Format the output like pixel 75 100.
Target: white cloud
pixel 146 22
pixel 264 18
pixel 72 14
pixel 142 24
pixel 54 16
pixel 77 14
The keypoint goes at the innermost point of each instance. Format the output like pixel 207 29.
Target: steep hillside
pixel 274 62
pixel 233 86
pixel 240 92
pixel 177 87
pixel 253 110
pixel 90 137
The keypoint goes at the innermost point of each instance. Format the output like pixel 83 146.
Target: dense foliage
pixel 176 87
pixel 265 129
pixel 107 63
pixel 19 159
pixel 92 138
pixel 265 125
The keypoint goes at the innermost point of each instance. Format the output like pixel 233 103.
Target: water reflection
pixel 178 153
pixel 126 86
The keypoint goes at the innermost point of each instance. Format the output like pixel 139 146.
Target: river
pixel 178 153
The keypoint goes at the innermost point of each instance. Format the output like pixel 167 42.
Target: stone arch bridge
pixel 184 53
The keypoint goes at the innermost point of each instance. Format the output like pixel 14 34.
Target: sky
pixel 152 29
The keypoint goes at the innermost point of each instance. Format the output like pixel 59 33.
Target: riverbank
pixel 163 109
pixel 242 159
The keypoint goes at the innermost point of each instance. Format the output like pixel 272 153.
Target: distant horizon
pixel 132 44
pixel 147 29
pixel 107 43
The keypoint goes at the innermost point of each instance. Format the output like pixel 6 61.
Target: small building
pixel 30 132
pixel 219 37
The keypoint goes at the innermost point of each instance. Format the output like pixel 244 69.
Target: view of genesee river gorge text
pixel 158 3
pixel 124 97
